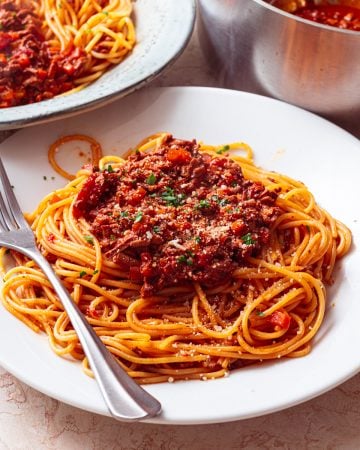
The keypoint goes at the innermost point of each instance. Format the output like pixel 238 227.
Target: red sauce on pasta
pixel 30 70
pixel 175 215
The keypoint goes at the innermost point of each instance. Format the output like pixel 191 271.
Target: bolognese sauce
pixel 30 69
pixel 175 215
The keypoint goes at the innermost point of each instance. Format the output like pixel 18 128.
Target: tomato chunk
pixel 136 196
pixel 280 319
pixel 238 226
pixel 178 156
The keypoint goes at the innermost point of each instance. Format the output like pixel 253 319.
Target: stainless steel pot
pixel 257 47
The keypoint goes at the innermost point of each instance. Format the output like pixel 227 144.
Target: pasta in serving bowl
pixel 88 53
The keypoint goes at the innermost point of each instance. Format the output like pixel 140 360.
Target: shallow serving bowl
pixel 260 48
pixel 163 29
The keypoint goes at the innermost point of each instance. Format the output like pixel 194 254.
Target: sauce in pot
pixel 340 16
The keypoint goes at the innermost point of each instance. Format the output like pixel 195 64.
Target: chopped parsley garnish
pixel 172 199
pixel 106 13
pixel 203 204
pixel 260 313
pixel 89 239
pixel 110 168
pixel 183 259
pixel 247 239
pixel 138 216
pixel 95 272
pixel 187 258
pixel 197 239
pixel 82 273
pixel 124 214
pixel 223 201
pixel 151 179
pixel 156 229
pixel 220 201
pixel 223 149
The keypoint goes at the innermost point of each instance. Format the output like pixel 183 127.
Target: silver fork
pixel 125 399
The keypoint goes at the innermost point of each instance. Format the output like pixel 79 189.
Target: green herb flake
pixel 95 272
pixel 223 149
pixel 151 179
pixel 138 217
pixel 112 237
pixel 82 273
pixel 247 239
pixel 106 13
pixel 171 198
pixel 124 214
pixel 203 204
pixel 156 229
pixel 260 314
pixel 197 239
pixel 223 202
pixel 110 169
pixel 187 258
pixel 89 239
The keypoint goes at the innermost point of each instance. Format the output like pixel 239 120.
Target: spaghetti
pixel 269 305
pixel 51 47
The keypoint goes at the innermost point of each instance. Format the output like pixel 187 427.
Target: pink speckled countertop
pixel 30 420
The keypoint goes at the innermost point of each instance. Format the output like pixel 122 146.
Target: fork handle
pixel 125 399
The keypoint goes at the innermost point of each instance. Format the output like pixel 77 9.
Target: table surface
pixel 31 420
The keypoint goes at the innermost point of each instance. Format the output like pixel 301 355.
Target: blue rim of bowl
pixel 20 117
pixel 279 11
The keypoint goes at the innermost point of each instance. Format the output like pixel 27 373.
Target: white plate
pixel 284 138
pixel 163 28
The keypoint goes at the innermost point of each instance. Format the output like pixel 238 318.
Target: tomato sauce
pixel 176 215
pixel 30 69
pixel 340 16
